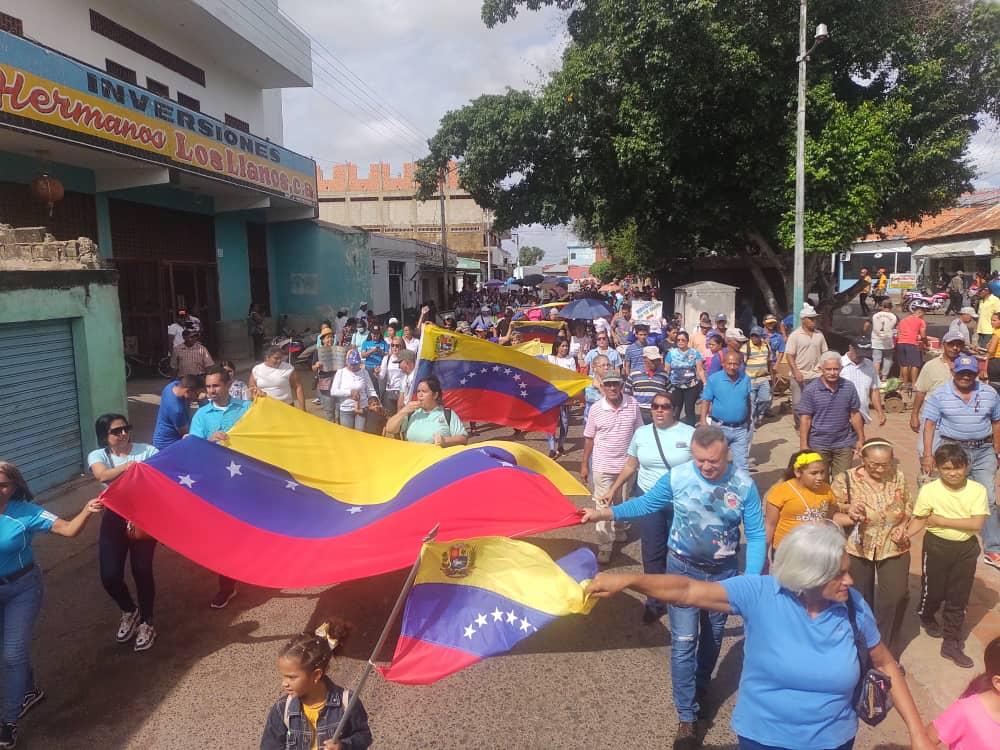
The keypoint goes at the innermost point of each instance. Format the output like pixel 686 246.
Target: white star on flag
pixel 506 371
pixel 472 374
pixel 481 619
pixel 234 469
pixel 291 484
pixel 186 480
pixel 497 615
pixel 517 378
pixel 463 381
pixel 496 368
pixel 525 624
pixel 469 632
pixel 511 617
pixel 354 510
pixel 483 370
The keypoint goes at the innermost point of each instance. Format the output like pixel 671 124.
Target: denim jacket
pixel 297 735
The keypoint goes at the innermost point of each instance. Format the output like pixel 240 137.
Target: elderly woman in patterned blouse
pixel 876 496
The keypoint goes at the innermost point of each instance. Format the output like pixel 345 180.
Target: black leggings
pixel 114 546
pixel 683 400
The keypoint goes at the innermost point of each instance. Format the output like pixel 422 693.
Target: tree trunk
pixel 768 254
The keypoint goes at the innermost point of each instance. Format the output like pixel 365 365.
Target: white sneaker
pixel 604 555
pixel 128 626
pixel 145 636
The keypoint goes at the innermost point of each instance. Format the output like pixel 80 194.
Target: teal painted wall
pixel 234 266
pixel 92 308
pixel 18 168
pixel 313 269
pixel 166 196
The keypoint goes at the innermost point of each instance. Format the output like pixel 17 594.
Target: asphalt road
pixel 600 680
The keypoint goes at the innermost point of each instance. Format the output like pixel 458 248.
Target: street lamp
pixel 798 272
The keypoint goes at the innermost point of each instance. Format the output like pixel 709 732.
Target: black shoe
pixel 8 735
pixel 701 698
pixel 686 737
pixel 649 616
pixel 31 699
pixel 953 650
pixel 223 598
pixel 932 628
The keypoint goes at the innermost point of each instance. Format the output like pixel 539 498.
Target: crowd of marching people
pixel 668 421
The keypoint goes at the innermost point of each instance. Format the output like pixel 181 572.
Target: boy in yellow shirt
pixel 952 508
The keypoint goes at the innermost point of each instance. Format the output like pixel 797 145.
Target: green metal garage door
pixel 39 413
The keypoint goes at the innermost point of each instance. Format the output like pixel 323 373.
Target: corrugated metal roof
pixel 977 212
pixel 974 220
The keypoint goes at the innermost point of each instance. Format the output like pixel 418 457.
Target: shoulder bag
pixel 659 447
pixel 872 699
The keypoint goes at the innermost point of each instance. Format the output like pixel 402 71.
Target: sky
pixel 386 71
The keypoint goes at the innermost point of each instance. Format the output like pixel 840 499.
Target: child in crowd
pixel 973 721
pixel 307 715
pixel 952 508
pixel 803 497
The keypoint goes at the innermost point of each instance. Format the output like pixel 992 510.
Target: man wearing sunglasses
pixel 967 412
pixel 211 422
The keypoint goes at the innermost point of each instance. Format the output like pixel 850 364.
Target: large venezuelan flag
pixel 486 382
pixel 481 598
pixel 295 501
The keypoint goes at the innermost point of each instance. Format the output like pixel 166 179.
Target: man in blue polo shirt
pixel 212 422
pixel 830 416
pixel 726 402
pixel 967 412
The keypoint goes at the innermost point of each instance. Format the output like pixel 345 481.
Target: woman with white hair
pixel 801 664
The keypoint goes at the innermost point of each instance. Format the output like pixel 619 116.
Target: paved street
pixel 600 680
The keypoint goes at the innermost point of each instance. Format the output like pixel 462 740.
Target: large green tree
pixel 669 128
pixel 529 255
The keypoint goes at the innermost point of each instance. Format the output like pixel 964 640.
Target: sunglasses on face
pixel 659 407
pixel 119 431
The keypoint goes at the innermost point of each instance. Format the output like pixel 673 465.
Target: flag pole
pixel 401 599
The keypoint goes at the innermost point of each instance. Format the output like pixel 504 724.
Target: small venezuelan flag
pixel 486 382
pixel 478 598
pixel 545 331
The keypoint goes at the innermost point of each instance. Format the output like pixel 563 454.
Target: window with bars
pixel 160 89
pixel 120 71
pixel 11 25
pixel 236 122
pixel 139 44
pixel 188 101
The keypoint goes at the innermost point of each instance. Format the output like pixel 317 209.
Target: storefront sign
pixel 902 280
pixel 46 93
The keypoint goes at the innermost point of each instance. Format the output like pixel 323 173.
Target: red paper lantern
pixel 48 190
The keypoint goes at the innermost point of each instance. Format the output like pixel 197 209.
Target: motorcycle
pixel 294 344
pixel 930 302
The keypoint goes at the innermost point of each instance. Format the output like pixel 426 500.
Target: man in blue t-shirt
pixel 212 422
pixel 726 403
pixel 174 414
pixel 711 499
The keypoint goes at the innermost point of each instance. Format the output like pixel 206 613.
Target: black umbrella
pixel 532 279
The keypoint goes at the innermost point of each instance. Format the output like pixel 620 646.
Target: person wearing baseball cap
pixel 644 383
pixel 735 340
pixel 721 323
pixel 934 373
pixel 774 337
pixel 967 412
pixel 804 347
pixel 960 325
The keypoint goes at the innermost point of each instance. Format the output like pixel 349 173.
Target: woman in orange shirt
pixel 803 497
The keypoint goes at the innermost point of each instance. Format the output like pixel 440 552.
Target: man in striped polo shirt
pixel 607 435
pixel 967 412
pixel 650 380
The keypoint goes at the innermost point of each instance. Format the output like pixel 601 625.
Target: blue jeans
pixel 696 639
pixel 760 397
pixel 19 605
pixel 983 469
pixel 352 420
pixel 653 532
pixel 563 428
pixel 739 443
pixel 745 744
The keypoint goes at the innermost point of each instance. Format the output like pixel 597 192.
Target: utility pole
pixel 798 270
pixel 444 245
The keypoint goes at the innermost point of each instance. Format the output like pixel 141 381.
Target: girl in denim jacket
pixel 307 715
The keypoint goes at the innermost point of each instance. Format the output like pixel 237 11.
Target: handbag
pixel 872 698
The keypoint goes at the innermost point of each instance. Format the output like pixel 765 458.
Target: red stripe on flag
pixel 498 502
pixel 479 405
pixel 418 662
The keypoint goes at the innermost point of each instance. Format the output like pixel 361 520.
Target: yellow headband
pixel 806 458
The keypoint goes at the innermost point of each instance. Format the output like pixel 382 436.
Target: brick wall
pixel 33 248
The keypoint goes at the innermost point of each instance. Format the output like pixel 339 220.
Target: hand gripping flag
pixel 481 597
pixel 486 382
pixel 295 501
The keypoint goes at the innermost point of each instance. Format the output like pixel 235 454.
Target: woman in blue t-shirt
pixel 687 376
pixel 21 589
pixel 805 630
pixel 119 539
